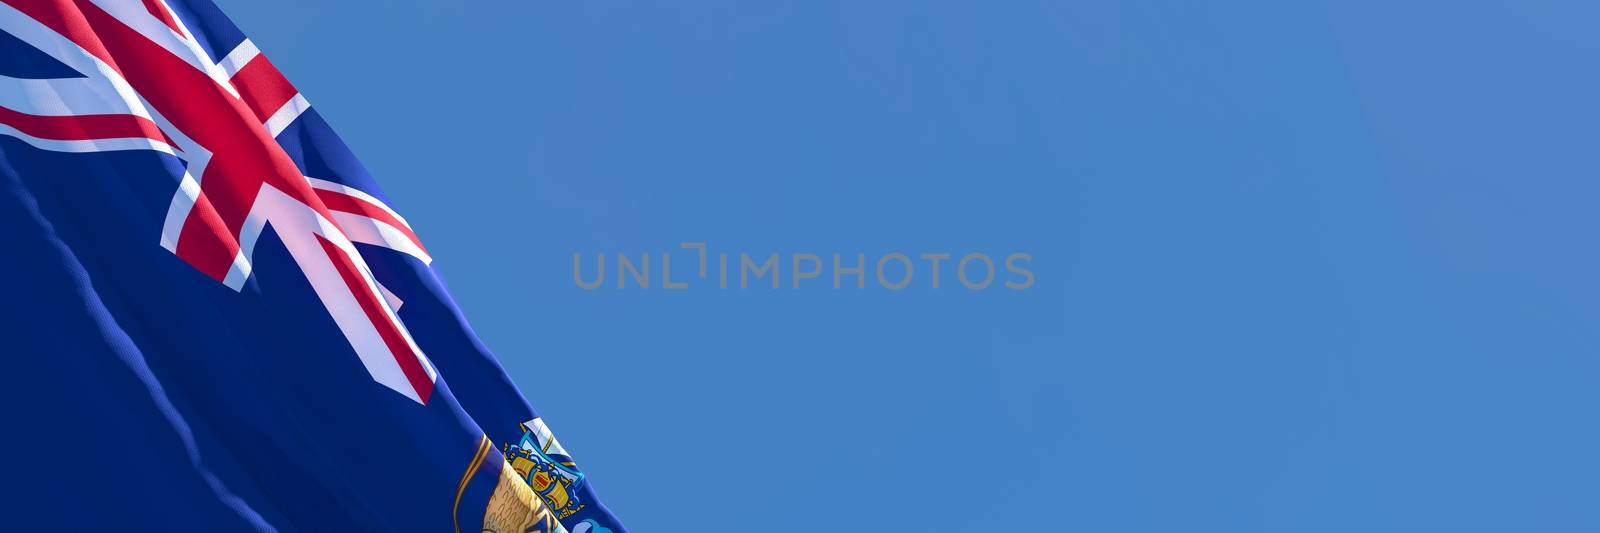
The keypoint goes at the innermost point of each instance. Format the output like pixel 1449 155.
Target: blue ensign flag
pixel 213 318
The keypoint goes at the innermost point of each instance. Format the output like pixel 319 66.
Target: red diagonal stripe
pixel 410 365
pixel 339 201
pixel 81 127
pixel 64 18
pixel 161 13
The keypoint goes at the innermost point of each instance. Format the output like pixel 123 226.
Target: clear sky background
pixel 1321 266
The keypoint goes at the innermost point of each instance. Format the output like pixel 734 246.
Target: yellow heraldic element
pixel 552 488
pixel 545 466
pixel 513 508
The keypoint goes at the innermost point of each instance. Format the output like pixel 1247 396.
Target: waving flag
pixel 214 320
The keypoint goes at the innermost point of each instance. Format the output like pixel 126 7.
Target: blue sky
pixel 1301 266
